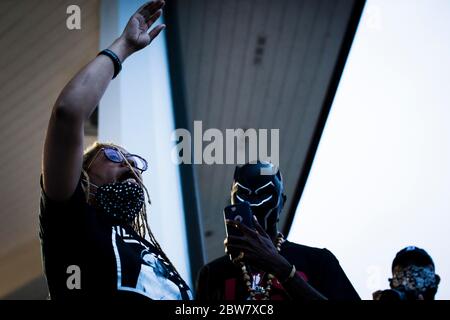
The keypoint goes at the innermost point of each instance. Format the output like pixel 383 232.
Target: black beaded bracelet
pixel 115 59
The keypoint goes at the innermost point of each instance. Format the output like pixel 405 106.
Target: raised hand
pixel 136 34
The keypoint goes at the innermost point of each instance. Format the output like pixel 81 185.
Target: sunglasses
pixel 117 156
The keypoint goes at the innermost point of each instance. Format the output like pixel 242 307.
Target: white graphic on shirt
pixel 153 276
pixel 153 282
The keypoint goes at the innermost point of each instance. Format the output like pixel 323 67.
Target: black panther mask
pixel 263 192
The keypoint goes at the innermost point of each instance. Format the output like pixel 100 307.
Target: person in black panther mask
pixel 95 238
pixel 269 267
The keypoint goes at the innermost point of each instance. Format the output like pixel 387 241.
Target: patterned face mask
pixel 414 278
pixel 120 200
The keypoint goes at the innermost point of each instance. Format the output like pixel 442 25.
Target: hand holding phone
pixel 241 213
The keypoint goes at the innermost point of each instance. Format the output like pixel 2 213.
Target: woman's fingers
pixel 154 33
pixel 149 8
pixel 151 20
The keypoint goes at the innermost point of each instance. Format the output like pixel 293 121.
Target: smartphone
pixel 239 212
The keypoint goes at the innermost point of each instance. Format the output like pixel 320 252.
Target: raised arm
pixel 63 148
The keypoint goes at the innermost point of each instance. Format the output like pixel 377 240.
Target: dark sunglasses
pixel 117 156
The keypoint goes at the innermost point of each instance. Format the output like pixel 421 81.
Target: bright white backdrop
pixel 381 177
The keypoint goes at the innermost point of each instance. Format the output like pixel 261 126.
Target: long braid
pixel 146 227
pixel 86 184
pixel 155 242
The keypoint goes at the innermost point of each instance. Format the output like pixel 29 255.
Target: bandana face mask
pixel 414 279
pixel 120 200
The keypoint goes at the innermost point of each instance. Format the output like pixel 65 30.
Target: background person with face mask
pixel 413 277
pixel 269 267
pixel 93 222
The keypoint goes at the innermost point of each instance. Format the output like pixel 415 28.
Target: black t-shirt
pixel 222 280
pixel 88 255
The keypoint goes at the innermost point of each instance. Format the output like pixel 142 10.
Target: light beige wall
pixel 38 55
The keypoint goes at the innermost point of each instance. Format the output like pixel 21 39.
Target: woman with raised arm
pixel 96 242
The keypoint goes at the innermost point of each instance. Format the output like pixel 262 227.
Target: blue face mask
pixel 120 200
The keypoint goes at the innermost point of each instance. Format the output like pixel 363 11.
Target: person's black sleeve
pixel 61 218
pixel 335 284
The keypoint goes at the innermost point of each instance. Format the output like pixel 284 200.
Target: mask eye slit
pixel 264 186
pixel 242 189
